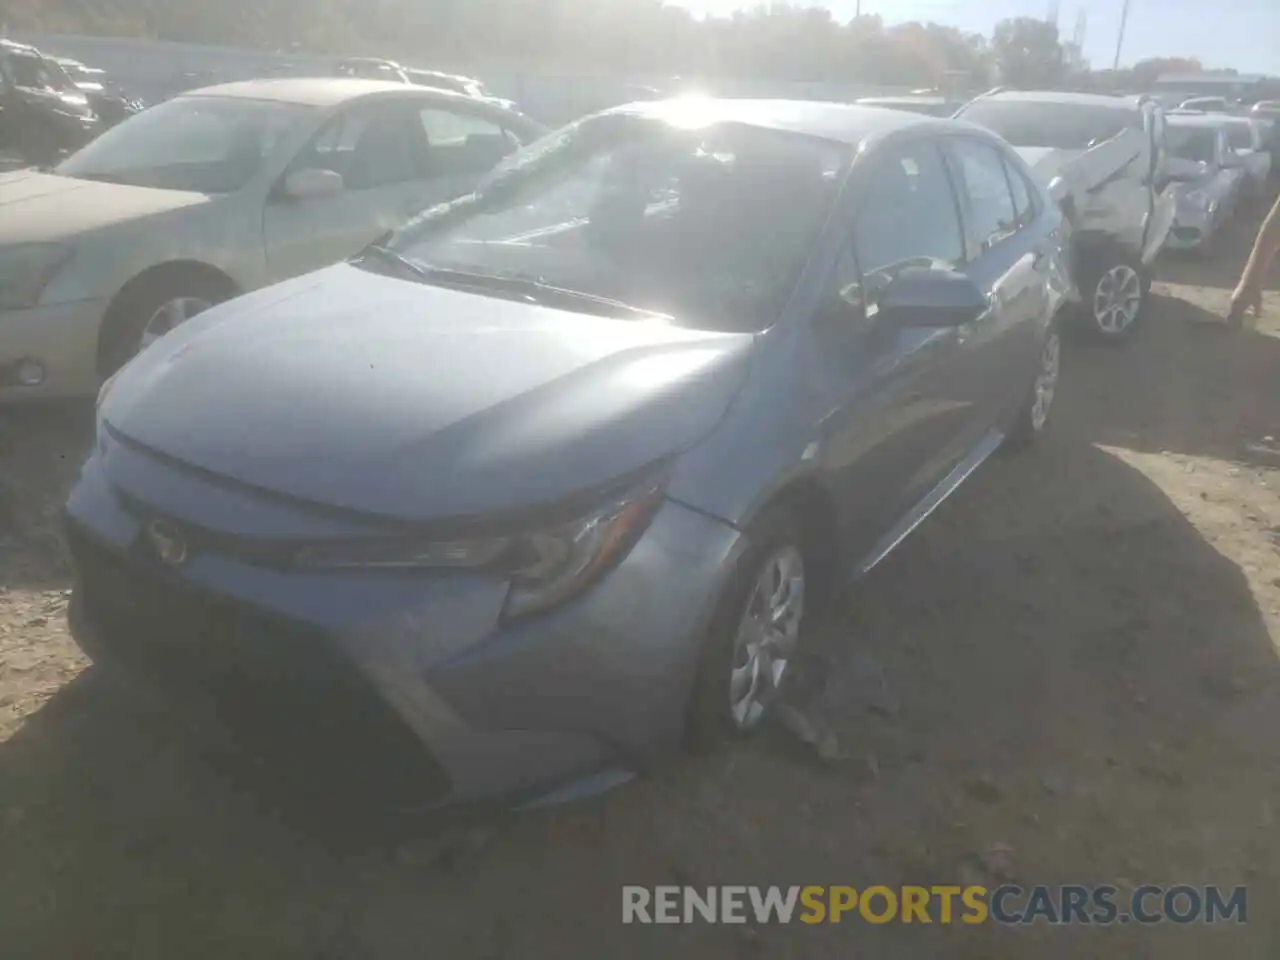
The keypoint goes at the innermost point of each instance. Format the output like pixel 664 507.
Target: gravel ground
pixel 1069 675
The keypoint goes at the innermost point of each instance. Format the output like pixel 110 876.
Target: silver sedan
pixel 215 193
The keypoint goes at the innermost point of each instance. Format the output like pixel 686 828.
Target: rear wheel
pixel 1114 286
pixel 1032 417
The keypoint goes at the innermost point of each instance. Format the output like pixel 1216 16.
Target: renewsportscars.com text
pixel 1100 905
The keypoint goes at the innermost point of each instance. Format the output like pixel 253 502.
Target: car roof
pixel 847 123
pixel 1059 96
pixel 311 91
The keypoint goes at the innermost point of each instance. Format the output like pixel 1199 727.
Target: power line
pixel 1124 20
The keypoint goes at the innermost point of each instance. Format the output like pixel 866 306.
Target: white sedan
pixel 211 194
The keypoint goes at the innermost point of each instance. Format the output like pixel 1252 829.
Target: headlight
pixel 26 269
pixel 545 566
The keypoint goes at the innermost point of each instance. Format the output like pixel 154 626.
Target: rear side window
pixel 985 195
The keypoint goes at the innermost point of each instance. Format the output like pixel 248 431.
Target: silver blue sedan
pixel 558 474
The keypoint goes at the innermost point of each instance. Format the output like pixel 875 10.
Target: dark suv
pixel 42 113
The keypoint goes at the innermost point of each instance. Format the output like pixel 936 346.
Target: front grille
pixel 283 689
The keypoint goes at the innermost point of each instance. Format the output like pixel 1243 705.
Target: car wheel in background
pixel 754 635
pixel 1032 417
pixel 1114 287
pixel 150 307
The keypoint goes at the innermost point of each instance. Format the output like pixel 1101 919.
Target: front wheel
pixel 1115 290
pixel 754 635
pixel 142 315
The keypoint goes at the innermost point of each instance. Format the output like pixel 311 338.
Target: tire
pixel 131 315
pixel 1114 286
pixel 1034 413
pixel 712 720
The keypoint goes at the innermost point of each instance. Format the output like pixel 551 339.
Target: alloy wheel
pixel 1117 299
pixel 767 636
pixel 171 314
pixel 1046 385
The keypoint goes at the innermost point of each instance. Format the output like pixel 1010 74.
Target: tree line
pixel 645 36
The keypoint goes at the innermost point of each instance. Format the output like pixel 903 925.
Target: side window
pixel 906 218
pixel 1024 206
pixel 369 146
pixel 461 144
pixel 984 192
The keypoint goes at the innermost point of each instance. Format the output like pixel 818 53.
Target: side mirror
pixel 312 182
pixel 931 297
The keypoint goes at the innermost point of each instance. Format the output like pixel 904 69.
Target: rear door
pixel 373 147
pixel 454 148
pixel 1005 258
pixel 1163 196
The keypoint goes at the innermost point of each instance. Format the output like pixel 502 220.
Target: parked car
pixel 1207 176
pixel 109 102
pixel 371 68
pixel 933 106
pixel 1103 158
pixel 1210 105
pixel 1247 139
pixel 557 474
pixel 468 86
pixel 213 193
pixel 1265 110
pixel 42 114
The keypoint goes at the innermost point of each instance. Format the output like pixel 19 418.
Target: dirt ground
pixel 1068 676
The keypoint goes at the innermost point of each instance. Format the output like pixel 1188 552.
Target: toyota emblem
pixel 167 542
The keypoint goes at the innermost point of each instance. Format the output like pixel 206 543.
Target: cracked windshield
pixel 639 478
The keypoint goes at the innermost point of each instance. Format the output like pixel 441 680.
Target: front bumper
pixel 409 687
pixel 62 338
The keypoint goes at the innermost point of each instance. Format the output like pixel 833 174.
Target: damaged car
pixel 1207 178
pixel 552 479
pixel 1103 158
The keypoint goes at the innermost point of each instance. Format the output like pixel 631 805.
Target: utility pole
pixel 857 10
pixel 1124 20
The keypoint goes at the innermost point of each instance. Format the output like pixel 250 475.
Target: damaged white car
pixel 1208 180
pixel 1104 160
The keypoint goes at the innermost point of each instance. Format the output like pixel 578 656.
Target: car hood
pixel 353 390
pixel 43 206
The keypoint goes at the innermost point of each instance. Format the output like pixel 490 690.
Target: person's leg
pixel 1248 292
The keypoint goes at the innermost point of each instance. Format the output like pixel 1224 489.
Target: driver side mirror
pixel 311 183
pixel 931 297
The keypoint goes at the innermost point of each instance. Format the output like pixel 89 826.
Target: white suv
pixel 1104 158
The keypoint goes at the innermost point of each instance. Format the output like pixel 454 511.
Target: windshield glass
pixel 29 70
pixel 197 144
pixel 1191 143
pixel 710 226
pixel 1240 136
pixel 1048 124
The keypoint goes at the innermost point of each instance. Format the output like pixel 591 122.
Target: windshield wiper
pixel 533 289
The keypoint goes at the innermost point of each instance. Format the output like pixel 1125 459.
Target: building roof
pixel 1226 79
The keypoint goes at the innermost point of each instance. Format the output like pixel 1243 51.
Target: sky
pixel 1244 34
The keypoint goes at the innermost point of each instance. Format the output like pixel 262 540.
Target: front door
pixel 892 411
pixel 371 146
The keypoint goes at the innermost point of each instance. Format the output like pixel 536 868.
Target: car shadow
pixel 1061 678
